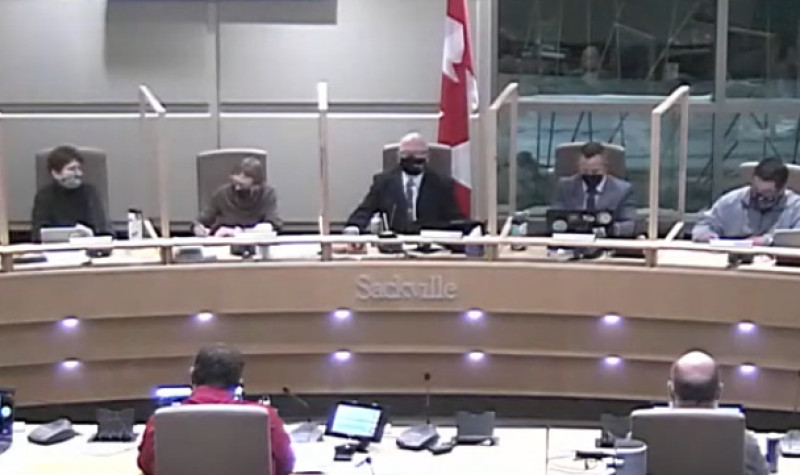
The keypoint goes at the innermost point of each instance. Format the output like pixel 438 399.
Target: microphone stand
pixel 307 428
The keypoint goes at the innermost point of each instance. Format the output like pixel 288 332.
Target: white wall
pixel 87 56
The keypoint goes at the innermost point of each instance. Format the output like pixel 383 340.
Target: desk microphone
pixel 427 377
pixel 423 436
pixel 308 431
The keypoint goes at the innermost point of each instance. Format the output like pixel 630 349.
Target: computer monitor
pixel 166 396
pixel 356 421
pixel 7 408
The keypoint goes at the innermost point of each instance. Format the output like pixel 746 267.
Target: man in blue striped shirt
pixel 753 211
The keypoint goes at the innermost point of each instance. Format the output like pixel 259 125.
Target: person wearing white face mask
pixel 68 200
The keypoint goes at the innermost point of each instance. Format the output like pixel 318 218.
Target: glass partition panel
pixel 669 162
pixel 545 128
pixel 546 124
pixel 670 148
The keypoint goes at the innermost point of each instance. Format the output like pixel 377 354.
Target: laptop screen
pixel 726 408
pixel 6 415
pixel 166 396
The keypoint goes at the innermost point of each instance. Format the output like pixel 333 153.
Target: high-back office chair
pixel 691 441
pixel 567 159
pixel 212 439
pixel 215 166
pixel 747 169
pixel 95 170
pixel 440 160
pixel 569 154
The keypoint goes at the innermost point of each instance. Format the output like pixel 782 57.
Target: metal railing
pixel 166 246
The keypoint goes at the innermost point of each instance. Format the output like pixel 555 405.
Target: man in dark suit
pixel 410 195
pixel 593 189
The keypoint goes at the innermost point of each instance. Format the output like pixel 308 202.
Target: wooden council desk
pixel 521 451
pixel 543 332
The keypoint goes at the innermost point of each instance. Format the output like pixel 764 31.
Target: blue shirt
pixel 733 216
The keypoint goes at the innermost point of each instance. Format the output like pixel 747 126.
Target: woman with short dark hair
pixel 68 200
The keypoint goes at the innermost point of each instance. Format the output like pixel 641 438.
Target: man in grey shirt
pixel 753 211
pixel 695 383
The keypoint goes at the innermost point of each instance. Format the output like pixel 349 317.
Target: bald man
pixel 695 383
pixel 410 195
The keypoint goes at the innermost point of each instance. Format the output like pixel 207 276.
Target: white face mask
pixel 70 180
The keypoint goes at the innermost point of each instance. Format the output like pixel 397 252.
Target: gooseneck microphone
pixel 299 400
pixel 308 431
pixel 423 436
pixel 427 377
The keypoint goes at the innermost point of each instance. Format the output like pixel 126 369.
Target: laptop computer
pixel 63 234
pixel 787 238
pixel 7 408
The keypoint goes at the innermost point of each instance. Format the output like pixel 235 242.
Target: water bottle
pixel 375 225
pixel 519 228
pixel 135 225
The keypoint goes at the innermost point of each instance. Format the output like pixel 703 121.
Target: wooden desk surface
pixel 137 331
pixel 521 451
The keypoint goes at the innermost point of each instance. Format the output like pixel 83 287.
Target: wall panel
pixel 57 52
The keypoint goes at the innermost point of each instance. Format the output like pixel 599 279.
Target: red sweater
pixel 282 455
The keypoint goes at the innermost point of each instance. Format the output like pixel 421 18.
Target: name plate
pixel 434 287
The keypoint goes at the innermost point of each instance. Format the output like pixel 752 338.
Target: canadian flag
pixel 459 98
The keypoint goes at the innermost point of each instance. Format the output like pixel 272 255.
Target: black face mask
pixel 243 192
pixel 412 165
pixel 592 181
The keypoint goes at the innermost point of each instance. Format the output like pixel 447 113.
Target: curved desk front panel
pixel 542 333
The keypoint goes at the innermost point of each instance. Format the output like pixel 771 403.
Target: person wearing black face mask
pixel 593 189
pixel 244 202
pixel 68 200
pixel 753 211
pixel 410 195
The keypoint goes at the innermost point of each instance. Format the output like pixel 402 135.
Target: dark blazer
pixel 436 203
pixel 617 197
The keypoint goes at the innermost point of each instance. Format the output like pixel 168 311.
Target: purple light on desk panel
pixel 342 355
pixel 70 363
pixel 746 327
pixel 611 319
pixel 612 360
pixel 342 314
pixel 748 369
pixel 69 322
pixel 474 314
pixel 204 317
pixel 476 355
